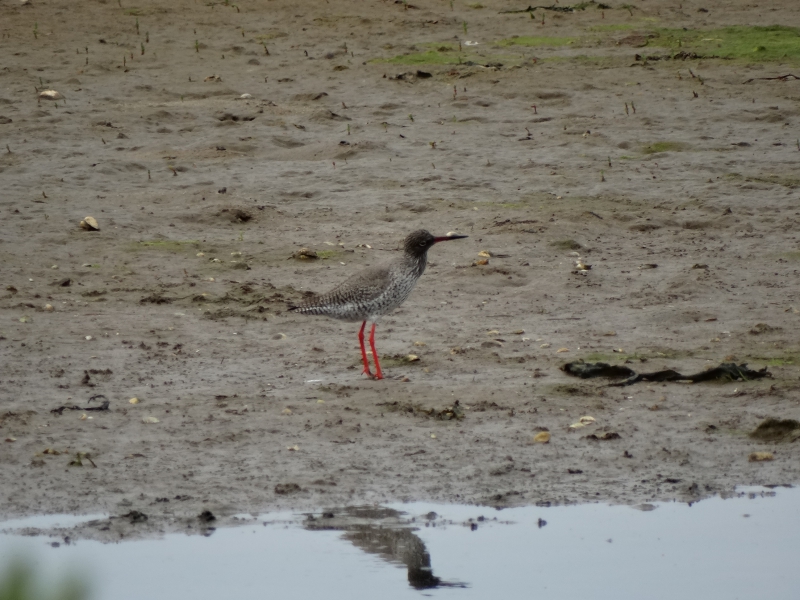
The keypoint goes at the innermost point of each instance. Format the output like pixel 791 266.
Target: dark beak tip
pixel 447 238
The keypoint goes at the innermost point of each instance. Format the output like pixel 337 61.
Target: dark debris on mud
pixel 724 372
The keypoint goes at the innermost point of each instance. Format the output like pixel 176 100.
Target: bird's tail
pixel 307 309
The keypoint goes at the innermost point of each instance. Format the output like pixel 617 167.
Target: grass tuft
pixel 759 44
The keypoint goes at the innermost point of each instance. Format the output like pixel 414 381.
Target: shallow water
pixel 742 547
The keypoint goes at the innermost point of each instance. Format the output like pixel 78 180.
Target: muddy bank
pixel 673 179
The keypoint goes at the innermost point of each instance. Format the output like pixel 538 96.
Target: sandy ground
pixel 202 198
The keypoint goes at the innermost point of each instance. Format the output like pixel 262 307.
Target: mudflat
pixel 627 177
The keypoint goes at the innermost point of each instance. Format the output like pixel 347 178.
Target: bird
pixel 376 291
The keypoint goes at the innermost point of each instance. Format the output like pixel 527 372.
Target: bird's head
pixel 420 241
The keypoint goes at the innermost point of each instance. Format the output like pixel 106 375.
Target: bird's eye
pixel 423 244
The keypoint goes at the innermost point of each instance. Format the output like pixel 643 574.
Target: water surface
pixel 743 547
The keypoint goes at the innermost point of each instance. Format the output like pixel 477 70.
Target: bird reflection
pixel 384 532
pixel 398 545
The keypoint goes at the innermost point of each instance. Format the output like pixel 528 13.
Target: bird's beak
pixel 446 238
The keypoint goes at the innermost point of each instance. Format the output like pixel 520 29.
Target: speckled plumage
pixel 376 291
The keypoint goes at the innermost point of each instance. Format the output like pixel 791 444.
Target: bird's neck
pixel 415 263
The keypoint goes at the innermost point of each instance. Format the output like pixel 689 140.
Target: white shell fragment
pixel 305 254
pixel 582 266
pixel 582 422
pixel 90 224
pixel 50 95
pixel 761 456
pixel 245 97
pixel 149 420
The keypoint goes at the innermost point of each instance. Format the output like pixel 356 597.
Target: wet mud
pixel 639 213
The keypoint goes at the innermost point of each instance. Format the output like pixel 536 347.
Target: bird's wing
pixel 362 288
pixel 365 286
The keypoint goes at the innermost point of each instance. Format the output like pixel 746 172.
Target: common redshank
pixel 376 291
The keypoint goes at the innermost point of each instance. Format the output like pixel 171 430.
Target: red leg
pixel 378 374
pixel 364 349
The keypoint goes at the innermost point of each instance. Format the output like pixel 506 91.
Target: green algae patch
pixel 794 256
pixel 396 360
pixel 538 41
pixel 448 53
pixel 789 182
pixel 769 178
pixel 787 359
pixel 759 44
pixel 657 147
